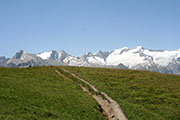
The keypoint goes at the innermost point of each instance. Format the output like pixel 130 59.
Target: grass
pixel 142 95
pixel 40 94
pixel 76 80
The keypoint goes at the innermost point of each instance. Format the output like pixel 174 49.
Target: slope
pixel 39 93
pixel 110 108
pixel 142 95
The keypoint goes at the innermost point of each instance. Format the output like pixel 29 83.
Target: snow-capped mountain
pixel 22 59
pixel 133 58
pixel 53 55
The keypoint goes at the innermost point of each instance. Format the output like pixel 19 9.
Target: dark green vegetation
pixel 142 95
pixel 39 93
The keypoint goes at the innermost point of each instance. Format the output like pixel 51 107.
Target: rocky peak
pixel 2 59
pixel 19 54
pixel 54 55
pixel 62 55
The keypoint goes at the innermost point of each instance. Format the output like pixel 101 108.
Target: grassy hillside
pixel 142 95
pixel 39 93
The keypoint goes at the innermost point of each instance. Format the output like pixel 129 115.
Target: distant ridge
pixel 163 61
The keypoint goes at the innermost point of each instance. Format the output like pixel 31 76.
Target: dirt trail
pixel 111 108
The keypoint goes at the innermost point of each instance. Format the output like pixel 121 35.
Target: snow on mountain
pixel 60 56
pixel 95 59
pixel 139 56
pixel 128 56
pixel 98 58
pixel 63 56
pixel 163 58
pixel 45 55
pixel 92 58
pixel 133 58
pixel 77 61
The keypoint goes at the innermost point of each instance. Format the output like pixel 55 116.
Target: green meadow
pixel 142 95
pixel 39 93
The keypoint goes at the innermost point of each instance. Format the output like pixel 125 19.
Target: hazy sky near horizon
pixel 78 26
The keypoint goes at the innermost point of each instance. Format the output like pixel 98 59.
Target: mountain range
pixel 139 58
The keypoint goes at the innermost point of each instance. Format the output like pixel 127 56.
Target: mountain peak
pixel 45 55
pixel 100 53
pixel 87 54
pixel 62 55
pixel 139 47
pixel 21 51
pixel 133 58
pixel 3 59
pixel 19 54
pixel 63 52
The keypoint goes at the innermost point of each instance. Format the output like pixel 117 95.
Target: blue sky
pixel 78 26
